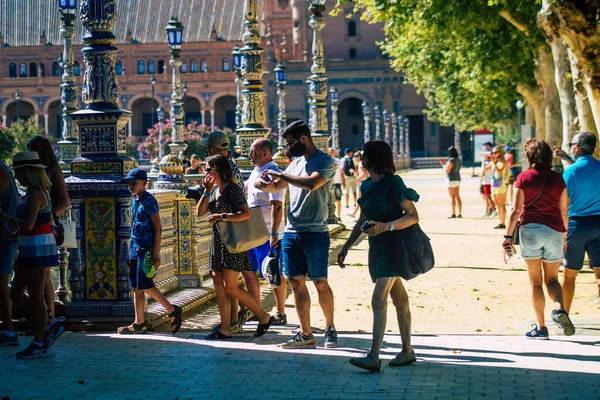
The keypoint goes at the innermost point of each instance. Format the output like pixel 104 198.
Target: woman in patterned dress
pixel 226 202
pixel 37 247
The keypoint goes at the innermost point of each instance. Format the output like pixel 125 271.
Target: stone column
pixel 4 119
pixel 212 120
pixel 402 150
pixel 386 128
pixel 407 137
pixel 46 116
pixel 395 144
pixel 129 129
pixel 203 115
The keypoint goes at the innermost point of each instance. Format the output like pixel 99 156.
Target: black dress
pixel 232 198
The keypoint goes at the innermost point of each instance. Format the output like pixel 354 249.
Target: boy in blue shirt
pixel 144 253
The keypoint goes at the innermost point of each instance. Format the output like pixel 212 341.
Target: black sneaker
pixel 8 340
pixel 53 332
pixel 562 319
pixel 331 338
pixel 32 351
pixel 536 333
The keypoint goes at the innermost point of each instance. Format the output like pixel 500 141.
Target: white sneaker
pixel 299 341
pixel 485 215
pixel 493 214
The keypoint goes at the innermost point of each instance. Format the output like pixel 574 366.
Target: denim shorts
pixel 540 241
pixel 305 254
pixel 258 254
pixel 7 257
pixel 583 235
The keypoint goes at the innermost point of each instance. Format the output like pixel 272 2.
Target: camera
pixel 195 192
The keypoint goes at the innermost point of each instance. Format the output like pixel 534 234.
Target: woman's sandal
pixel 216 335
pixel 133 329
pixel 176 315
pixel 263 328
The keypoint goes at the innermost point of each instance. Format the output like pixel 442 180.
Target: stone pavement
pixel 162 366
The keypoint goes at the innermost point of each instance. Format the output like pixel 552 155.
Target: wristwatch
pixel 224 216
pixel 391 226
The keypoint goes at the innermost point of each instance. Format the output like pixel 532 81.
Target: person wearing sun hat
pixel 37 246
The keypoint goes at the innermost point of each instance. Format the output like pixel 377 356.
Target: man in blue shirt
pixel 581 177
pixel 305 243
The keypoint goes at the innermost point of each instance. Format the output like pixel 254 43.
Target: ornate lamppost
pixel 335 132
pixel 184 88
pixel 377 112
pixel 395 148
pixel 237 67
pixel 152 82
pixel 253 114
pixel 175 35
pixel 17 97
pixel 68 96
pixel 401 151
pixel 366 109
pixel 386 127
pixel 318 80
pixel 281 80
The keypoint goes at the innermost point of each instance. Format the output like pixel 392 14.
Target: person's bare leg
pixel 597 275
pixel 379 301
pixel 501 205
pixel 158 296
pixel 458 201
pixel 325 300
pixel 49 296
pixel 36 280
pixel 139 301
pixel 252 285
pixel 233 289
pixel 302 303
pixel 19 284
pixel 552 285
pixel 400 299
pixel 280 296
pixel 534 269
pixel 338 206
pixel 452 200
pixel 222 302
pixel 568 287
pixel 5 304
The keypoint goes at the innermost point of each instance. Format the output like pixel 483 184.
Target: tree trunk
pixel 582 104
pixel 576 24
pixel 544 74
pixel 535 100
pixel 566 93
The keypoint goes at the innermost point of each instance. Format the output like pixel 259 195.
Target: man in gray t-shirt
pixel 305 242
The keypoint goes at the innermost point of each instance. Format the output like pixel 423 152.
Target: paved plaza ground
pixel 469 318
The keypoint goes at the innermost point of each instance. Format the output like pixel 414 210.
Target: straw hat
pixel 27 159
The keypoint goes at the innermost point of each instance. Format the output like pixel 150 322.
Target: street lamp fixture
pixel 280 74
pixel 68 5
pixel 152 82
pixel 175 33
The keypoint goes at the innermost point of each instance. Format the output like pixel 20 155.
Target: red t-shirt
pixel 546 209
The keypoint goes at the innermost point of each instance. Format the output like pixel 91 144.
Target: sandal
pixel 403 359
pixel 176 315
pixel 133 329
pixel 216 335
pixel 263 328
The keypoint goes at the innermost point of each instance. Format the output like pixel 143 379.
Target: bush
pixel 15 138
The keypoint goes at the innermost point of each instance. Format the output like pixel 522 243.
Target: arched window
pixel 141 67
pixel 76 68
pixel 151 66
pixel 12 70
pixel 193 66
pixel 183 67
pixel 226 65
pixel 55 69
pixel 119 67
pixel 203 66
pixel 351 28
pixel 161 66
pixel 33 69
pixel 42 70
pixel 352 53
pixel 22 70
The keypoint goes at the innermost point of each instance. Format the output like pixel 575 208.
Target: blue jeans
pixel 305 254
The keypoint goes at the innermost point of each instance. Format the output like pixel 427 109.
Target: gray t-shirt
pixel 454 174
pixel 309 210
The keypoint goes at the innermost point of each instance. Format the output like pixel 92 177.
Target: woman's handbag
pixel 65 232
pixel 412 254
pixel 239 237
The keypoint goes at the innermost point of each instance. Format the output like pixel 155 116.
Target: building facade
pixel 30 49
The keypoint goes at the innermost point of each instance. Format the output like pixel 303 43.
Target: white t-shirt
pixel 258 198
pixel 487 176
pixel 338 171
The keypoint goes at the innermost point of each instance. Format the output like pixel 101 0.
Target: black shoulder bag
pixel 412 254
pixel 516 236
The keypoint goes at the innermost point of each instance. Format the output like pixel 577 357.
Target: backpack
pixel 348 165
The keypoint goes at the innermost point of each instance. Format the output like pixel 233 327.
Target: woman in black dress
pixel 225 201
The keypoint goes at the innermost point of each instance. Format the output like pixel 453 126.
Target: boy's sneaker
pixel 299 341
pixel 8 340
pixel 562 319
pixel 53 332
pixel 32 351
pixel 535 333
pixel 331 339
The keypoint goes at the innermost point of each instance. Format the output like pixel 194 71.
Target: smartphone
pixel 508 255
pixel 366 225
pixel 268 178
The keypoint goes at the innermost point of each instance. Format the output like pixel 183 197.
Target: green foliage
pixel 14 139
pixel 7 144
pixel 462 55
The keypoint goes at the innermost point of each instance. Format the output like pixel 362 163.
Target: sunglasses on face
pixel 495 152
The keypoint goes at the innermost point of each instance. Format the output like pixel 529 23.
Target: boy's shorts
pixel 137 278
pixel 258 254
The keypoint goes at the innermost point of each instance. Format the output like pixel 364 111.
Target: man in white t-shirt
pixel 486 181
pixel 336 188
pixel 261 155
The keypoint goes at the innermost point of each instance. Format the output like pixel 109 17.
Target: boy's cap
pixel 347 150
pixel 217 140
pixel 135 174
pixel 488 144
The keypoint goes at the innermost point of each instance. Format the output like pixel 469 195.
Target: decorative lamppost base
pixel 68 151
